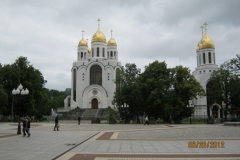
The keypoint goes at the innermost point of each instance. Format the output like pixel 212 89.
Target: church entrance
pixel 94 103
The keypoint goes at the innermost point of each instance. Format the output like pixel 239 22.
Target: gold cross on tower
pixel 205 24
pixel 111 32
pixel 82 33
pixel 202 29
pixel 99 22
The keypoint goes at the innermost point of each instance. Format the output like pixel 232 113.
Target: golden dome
pixel 82 42
pixel 89 50
pixel 207 42
pixel 98 37
pixel 198 46
pixel 112 42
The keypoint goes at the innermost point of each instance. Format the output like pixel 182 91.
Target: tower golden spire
pixel 205 24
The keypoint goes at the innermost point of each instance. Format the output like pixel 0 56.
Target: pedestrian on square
pixel 146 120
pixel 56 123
pixel 24 125
pixel 170 119
pixel 79 119
pixel 28 126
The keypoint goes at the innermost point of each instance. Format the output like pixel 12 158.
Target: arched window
pixel 92 52
pixel 103 51
pixel 74 84
pixel 114 54
pixel 81 55
pixel 96 75
pixel 111 54
pixel 209 57
pixel 97 52
pixel 85 55
pixel 108 55
pixel 204 60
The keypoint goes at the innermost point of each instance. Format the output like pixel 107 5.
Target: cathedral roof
pixel 98 37
pixel 112 42
pixel 207 42
pixel 82 42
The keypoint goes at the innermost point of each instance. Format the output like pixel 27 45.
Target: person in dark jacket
pixel 28 126
pixel 56 123
pixel 79 119
pixel 24 125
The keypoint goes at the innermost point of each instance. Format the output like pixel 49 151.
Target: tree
pixel 229 82
pixel 3 100
pixel 21 71
pixel 127 90
pixel 184 87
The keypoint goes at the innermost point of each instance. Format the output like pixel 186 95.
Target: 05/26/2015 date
pixel 206 144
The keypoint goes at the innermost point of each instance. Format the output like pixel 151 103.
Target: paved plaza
pixel 119 142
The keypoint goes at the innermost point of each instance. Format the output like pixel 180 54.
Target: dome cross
pixel 82 33
pixel 202 29
pixel 205 24
pixel 99 22
pixel 111 32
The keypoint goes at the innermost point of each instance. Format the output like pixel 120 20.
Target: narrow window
pixel 209 57
pixel 111 54
pixel 204 60
pixel 81 55
pixel 92 52
pixel 97 52
pixel 103 51
pixel 85 55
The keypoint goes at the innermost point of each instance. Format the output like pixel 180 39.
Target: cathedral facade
pixel 94 73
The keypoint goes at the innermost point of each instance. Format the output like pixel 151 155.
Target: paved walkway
pixel 114 142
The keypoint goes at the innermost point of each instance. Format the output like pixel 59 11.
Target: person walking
pixel 28 126
pixel 24 125
pixel 56 123
pixel 146 120
pixel 170 119
pixel 79 119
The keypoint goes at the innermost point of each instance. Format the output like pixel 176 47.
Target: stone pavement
pixel 119 142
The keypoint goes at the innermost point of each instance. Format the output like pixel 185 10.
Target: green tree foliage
pixel 228 79
pixel 3 100
pixel 158 92
pixel 39 101
pixel 127 90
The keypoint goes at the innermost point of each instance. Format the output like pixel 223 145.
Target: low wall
pixel 231 123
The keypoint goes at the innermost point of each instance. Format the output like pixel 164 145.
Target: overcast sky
pixel 47 32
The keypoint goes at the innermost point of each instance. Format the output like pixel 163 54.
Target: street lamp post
pixel 19 93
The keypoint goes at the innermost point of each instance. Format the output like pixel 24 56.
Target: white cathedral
pixel 94 73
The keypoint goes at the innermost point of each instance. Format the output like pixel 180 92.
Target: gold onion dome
pixel 98 37
pixel 207 42
pixel 112 42
pixel 82 42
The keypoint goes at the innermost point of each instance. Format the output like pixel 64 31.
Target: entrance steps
pixel 90 114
